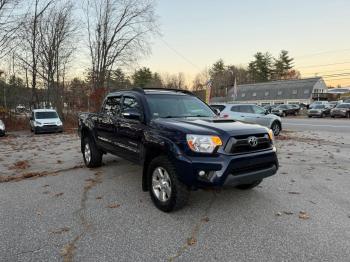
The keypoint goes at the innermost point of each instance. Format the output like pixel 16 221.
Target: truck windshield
pixel 177 106
pixel 45 115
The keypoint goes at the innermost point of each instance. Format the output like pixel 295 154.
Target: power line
pixel 179 54
pixel 310 66
pixel 325 52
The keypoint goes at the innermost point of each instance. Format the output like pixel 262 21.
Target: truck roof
pixel 160 91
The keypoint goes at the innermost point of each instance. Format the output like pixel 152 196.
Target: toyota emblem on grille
pixel 252 141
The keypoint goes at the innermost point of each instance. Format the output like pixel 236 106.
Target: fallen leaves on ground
pixel 205 219
pixel 99 197
pixel 113 206
pixel 294 193
pixel 60 230
pixel 58 194
pixel 23 164
pixel 191 241
pixel 288 212
pixel 303 215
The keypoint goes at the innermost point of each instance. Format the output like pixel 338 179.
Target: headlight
pixel 2 126
pixel 271 136
pixel 59 123
pixel 203 144
pixel 37 123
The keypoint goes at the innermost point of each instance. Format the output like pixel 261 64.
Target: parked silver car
pixel 250 113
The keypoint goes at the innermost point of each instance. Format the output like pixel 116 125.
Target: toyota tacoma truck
pixel 180 142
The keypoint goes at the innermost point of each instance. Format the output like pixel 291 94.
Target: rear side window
pixel 219 107
pixel 112 106
pixel 242 109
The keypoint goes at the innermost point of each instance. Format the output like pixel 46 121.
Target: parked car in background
pixel 319 111
pixel 268 108
pixel 296 107
pixel 333 104
pixel 341 110
pixel 318 103
pixel 347 101
pixel 2 128
pixel 251 113
pixel 284 110
pixel 45 121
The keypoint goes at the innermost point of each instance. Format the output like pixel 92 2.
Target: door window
pixel 130 104
pixel 258 110
pixel 112 106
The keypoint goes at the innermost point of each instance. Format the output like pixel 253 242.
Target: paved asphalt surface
pixel 78 214
pixel 321 124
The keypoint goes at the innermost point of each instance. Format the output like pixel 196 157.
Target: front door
pixel 130 131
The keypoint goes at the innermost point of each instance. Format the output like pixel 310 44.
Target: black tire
pixel 309 116
pixel 332 116
pixel 348 115
pixel 276 128
pixel 249 186
pixel 179 193
pixel 95 159
pixel 322 115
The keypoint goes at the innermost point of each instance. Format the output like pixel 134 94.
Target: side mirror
pixel 266 112
pixel 31 118
pixel 132 114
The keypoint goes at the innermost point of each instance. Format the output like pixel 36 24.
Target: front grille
pixel 50 126
pixel 240 144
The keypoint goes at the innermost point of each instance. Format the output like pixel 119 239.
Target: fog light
pixel 201 173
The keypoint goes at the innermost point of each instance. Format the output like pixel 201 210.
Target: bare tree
pixel 8 25
pixel 175 81
pixel 56 46
pixel 30 36
pixel 118 33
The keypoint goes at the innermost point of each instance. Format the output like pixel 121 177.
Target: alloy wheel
pixel 87 153
pixel 161 184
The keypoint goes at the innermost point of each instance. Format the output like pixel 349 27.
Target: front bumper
pixel 48 129
pixel 315 114
pixel 2 132
pixel 338 113
pixel 227 169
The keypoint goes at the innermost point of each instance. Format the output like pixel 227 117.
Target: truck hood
pixel 208 126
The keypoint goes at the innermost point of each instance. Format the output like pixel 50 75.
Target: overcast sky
pixel 196 33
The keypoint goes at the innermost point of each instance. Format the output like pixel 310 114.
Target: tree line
pixel 39 40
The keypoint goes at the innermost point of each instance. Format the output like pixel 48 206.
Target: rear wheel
pixel 276 128
pixel 91 154
pixel 167 192
pixel 249 186
pixel 322 115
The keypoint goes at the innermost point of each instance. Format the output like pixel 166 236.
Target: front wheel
pixel 167 192
pixel 91 154
pixel 276 128
pixel 249 186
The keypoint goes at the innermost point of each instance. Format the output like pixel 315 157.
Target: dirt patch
pixel 20 165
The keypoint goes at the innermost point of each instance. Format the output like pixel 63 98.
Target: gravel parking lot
pixel 54 209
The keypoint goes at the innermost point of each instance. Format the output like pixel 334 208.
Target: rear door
pixel 130 131
pixel 107 122
pixel 235 112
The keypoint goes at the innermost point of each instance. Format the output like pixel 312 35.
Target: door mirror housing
pixel 31 118
pixel 132 114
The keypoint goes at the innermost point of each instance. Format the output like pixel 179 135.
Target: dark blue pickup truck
pixel 180 141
